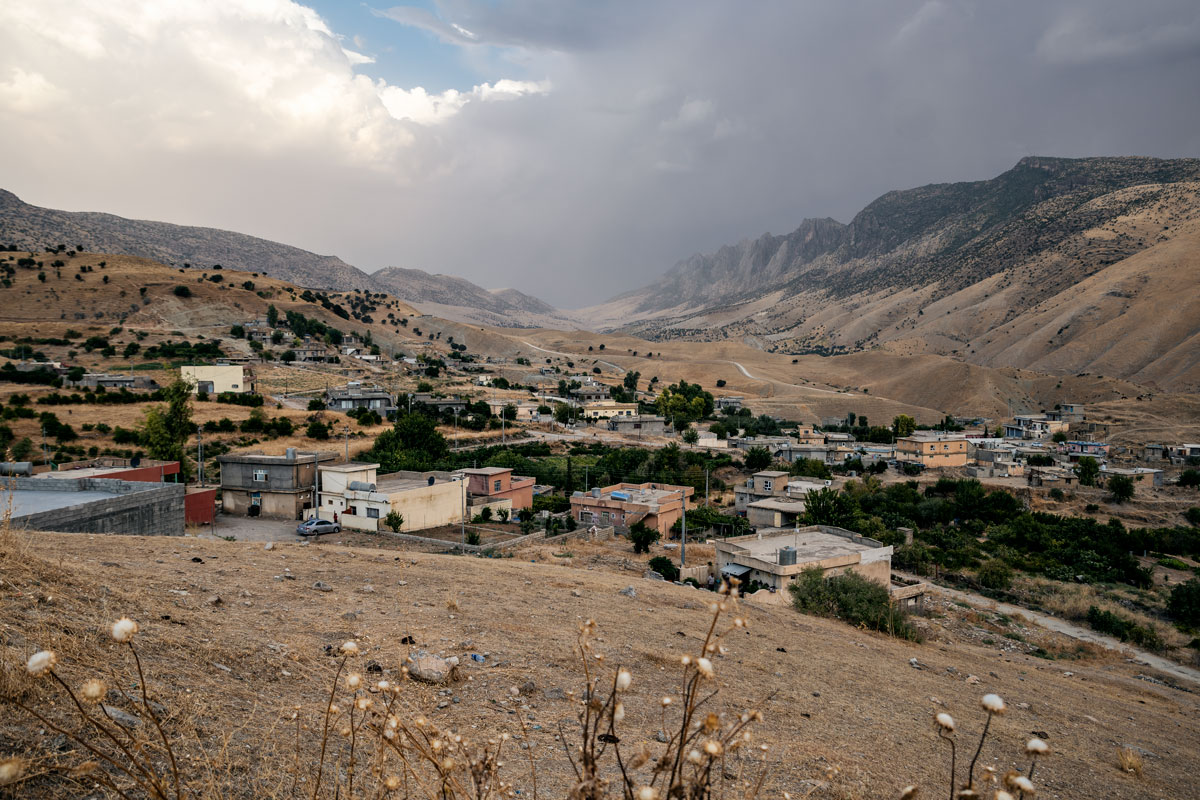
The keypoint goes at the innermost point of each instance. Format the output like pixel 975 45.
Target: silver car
pixel 315 527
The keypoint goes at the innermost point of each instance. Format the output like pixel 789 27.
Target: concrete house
pixel 1141 476
pixel 608 409
pixel 642 425
pixel 495 484
pixel 590 394
pixel 776 558
pixel 354 495
pixel 109 382
pixel 621 505
pixel 282 487
pixel 932 450
pixel 354 396
pixel 774 512
pixel 96 505
pixel 732 402
pixel 1034 426
pixel 1078 449
pixel 218 378
pixel 772 485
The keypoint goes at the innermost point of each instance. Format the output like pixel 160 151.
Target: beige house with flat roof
pixel 777 557
pixel 933 449
pixel 218 378
pixel 351 493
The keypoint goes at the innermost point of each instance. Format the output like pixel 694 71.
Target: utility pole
pixel 706 487
pixel 45 452
pixel 200 454
pixel 456 426
pixel 463 519
pixel 346 431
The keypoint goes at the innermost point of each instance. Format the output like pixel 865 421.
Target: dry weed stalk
pixel 1130 760
pixel 1013 782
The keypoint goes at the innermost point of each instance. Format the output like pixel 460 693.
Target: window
pixel 372 513
pixel 260 475
pixel 496 486
pixel 766 484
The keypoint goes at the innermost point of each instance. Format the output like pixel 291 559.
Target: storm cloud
pixel 603 141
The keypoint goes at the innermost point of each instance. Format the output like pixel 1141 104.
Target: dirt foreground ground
pixel 235 636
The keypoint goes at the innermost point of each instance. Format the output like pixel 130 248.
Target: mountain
pixel 460 300
pixel 30 227
pixel 1058 265
pixel 34 228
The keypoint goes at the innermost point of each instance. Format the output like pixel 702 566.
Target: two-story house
pixel 282 486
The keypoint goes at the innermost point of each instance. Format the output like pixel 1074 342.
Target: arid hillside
pixel 235 640
pixel 1061 266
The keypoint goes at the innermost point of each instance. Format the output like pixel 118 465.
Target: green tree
pixel 22 450
pixel 758 458
pixel 828 507
pixel 1184 604
pixel 995 574
pixel 811 468
pixel 1088 469
pixel 287 356
pixel 642 537
pixel 562 413
pixel 317 430
pixel 630 381
pixel 413 440
pixel 394 520
pixel 166 428
pixel 272 315
pixel 665 567
pixel 238 332
pixel 690 436
pixel 1120 488
pixel 182 291
pixel 1059 437
pixel 503 514
pixel 903 425
pixel 509 412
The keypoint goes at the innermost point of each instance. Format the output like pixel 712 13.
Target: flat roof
pixel 487 471
pixel 406 484
pixel 29 501
pixel 349 466
pixel 810 545
pixel 778 505
pixel 770 474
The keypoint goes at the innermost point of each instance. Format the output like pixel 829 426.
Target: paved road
pixel 1070 629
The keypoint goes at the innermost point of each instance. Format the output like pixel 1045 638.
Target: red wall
pixel 200 506
pixel 146 474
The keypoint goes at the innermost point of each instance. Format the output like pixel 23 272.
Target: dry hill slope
pixel 1027 269
pixel 841 697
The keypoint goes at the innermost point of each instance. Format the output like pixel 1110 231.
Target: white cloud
pixel 424 108
pixel 29 91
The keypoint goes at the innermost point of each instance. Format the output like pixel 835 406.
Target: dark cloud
pixel 668 128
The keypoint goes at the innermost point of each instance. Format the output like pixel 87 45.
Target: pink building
pixel 498 483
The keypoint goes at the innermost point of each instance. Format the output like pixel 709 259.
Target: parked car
pixel 315 527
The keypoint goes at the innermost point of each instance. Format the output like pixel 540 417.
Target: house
pixel 643 425
pixel 776 558
pixel 1034 426
pixel 352 494
pixel 710 439
pixel 354 396
pixel 281 487
pixel 494 484
pixel 621 505
pixel 219 378
pixel 932 450
pixel 1067 412
pixel 771 484
pixel 774 512
pixel 1053 477
pixel 199 501
pixel 107 382
pixel 1077 450
pixel 1139 475
pixel 596 393
pixel 807 436
pixel 96 505
pixel 1182 453
pixel 311 352
pixel 440 404
pixel 731 402
pixel 607 409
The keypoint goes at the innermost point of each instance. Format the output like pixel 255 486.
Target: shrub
pixel 995 574
pixel 317 430
pixel 1190 477
pixel 1124 629
pixel 851 598
pixel 1184 604
pixel 665 567
pixel 642 537
pixel 1057 494
pixel 182 291
pixel 316 404
pixel 394 520
pixel 1120 488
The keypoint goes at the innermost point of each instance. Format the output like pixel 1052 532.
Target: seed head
pixel 350 648
pixel 93 690
pixel 618 712
pixel 993 704
pixel 362 703
pixel 391 783
pixel 124 629
pixel 1002 795
pixel 685 660
pixel 713 748
pixel 646 793
pixel 695 757
pixel 738 622
pixel 705 667
pixel 11 770
pixel 353 681
pixel 41 662
pixel 908 792
pixel 666 701
pixel 1023 784
pixel 624 678
pixel 944 721
pixel 1036 747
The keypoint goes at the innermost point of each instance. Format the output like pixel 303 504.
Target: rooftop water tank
pixel 360 486
pixel 620 495
pixel 787 556
pixel 16 468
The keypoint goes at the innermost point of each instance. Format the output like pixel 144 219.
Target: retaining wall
pixel 145 509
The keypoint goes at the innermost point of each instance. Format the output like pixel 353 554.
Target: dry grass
pixel 1130 761
pixel 1072 601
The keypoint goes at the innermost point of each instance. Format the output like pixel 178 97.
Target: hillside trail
pixel 746 372
pixel 1068 629
pixel 621 370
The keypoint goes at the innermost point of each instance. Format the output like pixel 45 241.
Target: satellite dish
pixel 135 461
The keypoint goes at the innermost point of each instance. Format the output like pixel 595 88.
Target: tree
pixel 394 520
pixel 828 507
pixel 22 449
pixel 630 381
pixel 1059 437
pixel 413 440
pixel 995 574
pixel 317 430
pixel 316 404
pixel 642 537
pixel 503 514
pixel 758 458
pixel 665 567
pixel 288 356
pixel 562 413
pixel 1088 469
pixel 690 436
pixel 509 412
pixel 1189 478
pixel 811 468
pixel 904 425
pixel 75 374
pixel 272 316
pixel 1120 488
pixel 1184 604
pixel 238 332
pixel 166 428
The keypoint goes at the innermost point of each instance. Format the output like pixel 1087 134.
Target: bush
pixel 182 291
pixel 1057 494
pixel 317 430
pixel 1184 604
pixel 665 567
pixel 316 404
pixel 1124 629
pixel 1192 515
pixel 1120 488
pixel 1190 478
pixel 394 520
pixel 995 574
pixel 851 598
pixel 642 537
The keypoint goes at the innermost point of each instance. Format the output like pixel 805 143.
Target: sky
pixel 572 149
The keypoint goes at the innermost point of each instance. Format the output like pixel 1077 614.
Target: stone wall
pixel 146 509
